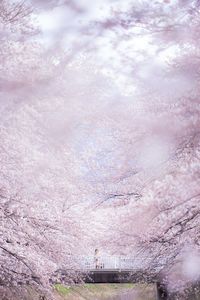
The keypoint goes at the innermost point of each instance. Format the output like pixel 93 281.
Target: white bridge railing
pixel 109 262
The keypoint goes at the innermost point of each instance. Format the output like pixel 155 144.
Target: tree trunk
pixel 162 293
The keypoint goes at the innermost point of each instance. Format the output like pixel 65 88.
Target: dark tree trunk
pixel 162 293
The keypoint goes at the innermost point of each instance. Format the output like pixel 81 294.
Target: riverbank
pixel 87 292
pixel 106 292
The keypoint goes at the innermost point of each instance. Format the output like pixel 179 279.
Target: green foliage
pixel 62 289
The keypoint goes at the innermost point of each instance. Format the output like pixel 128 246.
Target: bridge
pixel 110 269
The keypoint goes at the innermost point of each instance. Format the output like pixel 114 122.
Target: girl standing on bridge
pixel 96 258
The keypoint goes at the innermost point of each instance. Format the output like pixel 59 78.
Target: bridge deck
pixel 111 270
pixel 109 276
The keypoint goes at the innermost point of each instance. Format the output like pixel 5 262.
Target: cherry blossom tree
pixel 162 222
pixel 40 217
pixel 79 144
